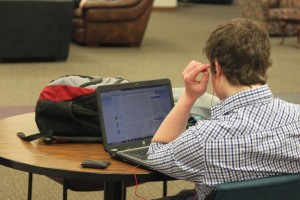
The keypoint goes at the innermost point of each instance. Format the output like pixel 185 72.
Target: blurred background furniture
pixel 298 36
pixel 35 29
pixel 111 22
pixel 270 12
pixel 292 18
pixel 213 1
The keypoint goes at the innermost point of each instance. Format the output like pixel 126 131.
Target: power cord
pixel 136 183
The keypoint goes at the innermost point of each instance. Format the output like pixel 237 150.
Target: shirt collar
pixel 242 99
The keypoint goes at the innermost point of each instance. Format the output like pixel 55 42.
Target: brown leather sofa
pixel 111 22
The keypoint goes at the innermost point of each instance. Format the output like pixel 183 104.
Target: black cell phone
pixel 99 164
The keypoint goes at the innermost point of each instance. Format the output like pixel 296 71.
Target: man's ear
pixel 218 68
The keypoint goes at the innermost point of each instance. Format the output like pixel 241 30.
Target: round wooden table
pixel 63 160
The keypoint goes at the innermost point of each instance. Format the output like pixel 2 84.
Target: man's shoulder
pixel 250 119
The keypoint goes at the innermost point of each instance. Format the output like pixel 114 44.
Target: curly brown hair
pixel 242 48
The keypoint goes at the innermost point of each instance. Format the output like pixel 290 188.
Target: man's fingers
pixel 192 75
pixel 192 65
pixel 195 65
pixel 204 79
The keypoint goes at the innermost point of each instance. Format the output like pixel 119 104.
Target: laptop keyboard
pixel 138 153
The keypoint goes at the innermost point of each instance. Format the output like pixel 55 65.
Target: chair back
pixel 284 187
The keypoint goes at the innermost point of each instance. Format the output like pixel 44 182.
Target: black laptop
pixel 130 114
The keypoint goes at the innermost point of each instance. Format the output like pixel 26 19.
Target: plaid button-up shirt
pixel 250 135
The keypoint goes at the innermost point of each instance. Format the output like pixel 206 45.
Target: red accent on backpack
pixel 64 92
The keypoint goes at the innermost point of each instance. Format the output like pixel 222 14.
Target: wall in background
pixel 165 4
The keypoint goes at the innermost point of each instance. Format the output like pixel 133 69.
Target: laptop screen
pixel 133 114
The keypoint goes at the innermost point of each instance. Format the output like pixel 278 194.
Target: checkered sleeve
pixel 182 158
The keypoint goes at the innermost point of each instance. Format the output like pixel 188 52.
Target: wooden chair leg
pixel 283 27
pixel 29 193
pixel 298 36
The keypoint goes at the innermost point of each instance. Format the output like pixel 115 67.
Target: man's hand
pixel 195 88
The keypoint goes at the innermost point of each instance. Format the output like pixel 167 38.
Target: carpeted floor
pixel 14 187
pixel 14 110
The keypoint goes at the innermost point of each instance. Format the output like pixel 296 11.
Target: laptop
pixel 130 114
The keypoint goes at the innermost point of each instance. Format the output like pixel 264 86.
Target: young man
pixel 250 135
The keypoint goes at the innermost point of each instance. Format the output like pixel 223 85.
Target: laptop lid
pixel 130 113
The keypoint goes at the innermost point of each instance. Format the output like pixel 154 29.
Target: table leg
pixel 114 191
pixel 165 188
pixel 65 190
pixel 29 193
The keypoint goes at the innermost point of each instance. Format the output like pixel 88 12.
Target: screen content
pixel 134 114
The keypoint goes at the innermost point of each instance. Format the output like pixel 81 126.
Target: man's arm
pixel 175 123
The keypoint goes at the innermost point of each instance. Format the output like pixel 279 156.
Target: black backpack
pixel 67 110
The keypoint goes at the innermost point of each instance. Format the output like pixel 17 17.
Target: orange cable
pixel 136 184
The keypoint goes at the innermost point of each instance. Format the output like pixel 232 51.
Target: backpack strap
pixel 35 136
pixel 49 138
pixel 79 139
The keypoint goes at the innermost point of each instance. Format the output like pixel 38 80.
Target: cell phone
pixel 99 164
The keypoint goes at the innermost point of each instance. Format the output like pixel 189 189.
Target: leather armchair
pixel 111 22
pixel 269 12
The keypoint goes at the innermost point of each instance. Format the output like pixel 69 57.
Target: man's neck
pixel 231 90
pixel 225 89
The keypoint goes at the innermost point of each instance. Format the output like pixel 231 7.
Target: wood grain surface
pixel 61 160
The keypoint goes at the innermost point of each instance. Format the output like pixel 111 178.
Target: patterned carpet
pixel 13 186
